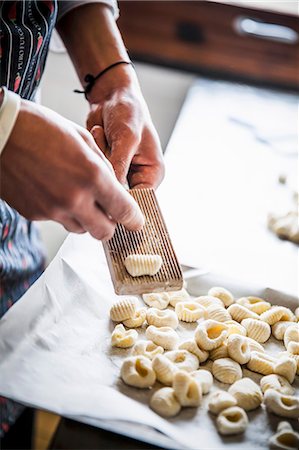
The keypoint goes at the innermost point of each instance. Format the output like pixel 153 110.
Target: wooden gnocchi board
pixel 152 239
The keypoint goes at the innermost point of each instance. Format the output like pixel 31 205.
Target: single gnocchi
pixel 285 438
pixel 255 304
pixel 166 337
pixel 165 403
pixel 238 348
pixel 210 334
pixel 257 329
pixel 192 347
pixel 291 334
pixel 279 329
pixel 235 327
pixel 190 311
pixel 278 383
pixel 232 420
pixel 123 309
pixel 205 378
pixel 164 369
pixel 183 360
pixel 218 313
pixel 137 320
pixel 178 296
pixel 293 352
pixel 247 393
pixel 159 300
pixel 187 389
pixel 282 405
pixel 208 300
pixel 221 400
pixel 261 363
pixel 223 294
pixel 147 349
pixel 286 366
pixel 162 318
pixel 123 338
pixel 255 346
pixel 137 371
pixel 276 314
pixel 239 312
pixel 226 370
pixel 219 352
pixel 139 265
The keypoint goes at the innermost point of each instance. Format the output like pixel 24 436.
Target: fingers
pixel 122 152
pixel 99 136
pixel 96 222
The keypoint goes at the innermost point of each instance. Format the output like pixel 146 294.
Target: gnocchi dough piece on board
pixel 156 300
pixel 210 334
pixel 166 337
pixel 278 383
pixel 165 403
pixel 137 320
pixel 221 400
pixel 139 265
pixel 232 420
pixel 255 304
pixel 223 294
pixel 187 389
pixel 205 378
pixel 147 349
pixel 190 311
pixel 162 318
pixel 226 370
pixel 123 309
pixel 285 438
pixel 282 405
pixel 164 369
pixel 238 348
pixel 183 360
pixel 247 393
pixel 257 329
pixel 137 371
pixel 123 338
pixel 192 347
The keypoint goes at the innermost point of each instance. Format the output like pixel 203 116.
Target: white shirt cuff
pixel 8 115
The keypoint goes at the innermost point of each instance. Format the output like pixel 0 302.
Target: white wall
pixel 163 89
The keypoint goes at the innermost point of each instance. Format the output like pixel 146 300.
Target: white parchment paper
pixel 55 354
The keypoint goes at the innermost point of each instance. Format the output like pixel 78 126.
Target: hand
pixel 132 146
pixel 52 169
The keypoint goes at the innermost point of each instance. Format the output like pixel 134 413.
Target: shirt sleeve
pixel 66 6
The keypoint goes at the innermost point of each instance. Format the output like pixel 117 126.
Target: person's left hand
pixel 130 140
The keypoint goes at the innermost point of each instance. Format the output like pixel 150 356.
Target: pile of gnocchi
pixel 229 334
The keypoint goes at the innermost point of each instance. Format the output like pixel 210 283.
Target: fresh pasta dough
pixel 166 337
pixel 205 378
pixel 147 349
pixel 278 383
pixel 123 338
pixel 190 311
pixel 183 360
pixel 218 313
pixel 223 294
pixel 276 314
pixel 239 312
pixel 162 318
pixel 257 329
pixel 221 400
pixel 285 438
pixel 158 300
pixel 238 348
pixel 178 296
pixel 165 403
pixel 281 404
pixel 210 334
pixel 255 304
pixel 139 265
pixel 137 320
pixel 192 347
pixel 137 371
pixel 164 369
pixel 123 309
pixel 247 393
pixel 226 370
pixel 187 389
pixel 232 420
pixel 261 363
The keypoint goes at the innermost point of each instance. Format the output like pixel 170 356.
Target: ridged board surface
pixel 152 239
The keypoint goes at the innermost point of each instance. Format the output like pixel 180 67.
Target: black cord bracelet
pixel 90 79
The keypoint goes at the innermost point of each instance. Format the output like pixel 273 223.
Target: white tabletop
pixel 229 146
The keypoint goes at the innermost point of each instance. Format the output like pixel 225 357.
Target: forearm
pixel 93 42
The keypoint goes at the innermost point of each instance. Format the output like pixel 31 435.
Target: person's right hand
pixel 52 169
